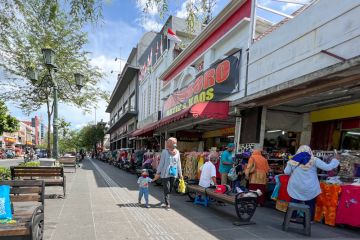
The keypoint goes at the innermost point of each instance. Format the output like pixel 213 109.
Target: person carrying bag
pixel 169 169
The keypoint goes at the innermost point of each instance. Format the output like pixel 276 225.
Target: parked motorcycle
pixel 10 154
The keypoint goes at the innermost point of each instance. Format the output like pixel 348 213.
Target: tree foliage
pixel 27 26
pixel 197 11
pixel 90 135
pixel 7 122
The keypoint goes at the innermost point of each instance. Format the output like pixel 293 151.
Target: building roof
pixel 128 73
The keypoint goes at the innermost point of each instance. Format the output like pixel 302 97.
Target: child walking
pixel 143 182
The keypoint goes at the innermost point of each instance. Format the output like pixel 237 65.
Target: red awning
pixel 213 110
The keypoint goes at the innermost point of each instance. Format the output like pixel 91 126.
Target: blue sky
pixel 123 24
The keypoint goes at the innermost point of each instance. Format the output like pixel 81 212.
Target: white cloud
pixel 107 65
pixel 151 9
pixel 290 7
pixel 182 12
pixel 149 19
pixel 150 24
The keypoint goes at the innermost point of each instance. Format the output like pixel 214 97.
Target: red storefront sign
pixel 213 84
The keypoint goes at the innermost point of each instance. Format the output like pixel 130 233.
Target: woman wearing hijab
pixel 304 184
pixel 256 171
pixel 169 169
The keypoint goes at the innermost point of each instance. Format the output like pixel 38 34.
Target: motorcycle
pixel 10 154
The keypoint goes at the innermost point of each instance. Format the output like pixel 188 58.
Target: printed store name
pixel 201 90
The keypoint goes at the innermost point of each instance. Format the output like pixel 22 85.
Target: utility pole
pixel 95 115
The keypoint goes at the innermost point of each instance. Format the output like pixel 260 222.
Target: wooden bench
pixel 245 206
pixel 68 162
pixel 52 176
pixel 27 200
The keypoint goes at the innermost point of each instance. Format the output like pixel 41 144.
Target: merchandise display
pixel 339 201
pixel 192 162
pixel 326 203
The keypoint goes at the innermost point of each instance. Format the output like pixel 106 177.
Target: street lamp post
pixel 49 61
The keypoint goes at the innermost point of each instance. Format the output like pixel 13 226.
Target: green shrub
pixel 5 173
pixel 30 164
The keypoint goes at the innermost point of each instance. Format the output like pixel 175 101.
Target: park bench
pixel 27 200
pixel 245 203
pixel 52 176
pixel 68 162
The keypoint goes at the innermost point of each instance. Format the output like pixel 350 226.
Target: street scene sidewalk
pixel 101 203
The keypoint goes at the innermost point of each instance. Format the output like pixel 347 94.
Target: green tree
pixel 7 122
pixel 90 135
pixel 27 26
pixel 69 142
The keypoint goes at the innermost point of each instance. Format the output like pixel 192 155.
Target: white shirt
pixel 208 171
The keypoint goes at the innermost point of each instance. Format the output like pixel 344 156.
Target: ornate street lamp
pixel 49 61
pixel 32 75
pixel 79 80
pixel 49 57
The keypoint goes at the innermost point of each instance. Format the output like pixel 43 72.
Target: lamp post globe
pixel 32 75
pixel 49 57
pixel 79 79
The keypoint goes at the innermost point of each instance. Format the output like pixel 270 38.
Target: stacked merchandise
pixel 339 202
pixel 349 165
pixel 277 162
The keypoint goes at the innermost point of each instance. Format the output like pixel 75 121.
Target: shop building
pixel 123 106
pixel 197 87
pixel 303 84
pixel 307 68
pixel 159 54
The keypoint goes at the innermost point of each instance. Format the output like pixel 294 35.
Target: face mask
pixel 175 145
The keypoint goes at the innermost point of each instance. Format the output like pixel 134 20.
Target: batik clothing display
pixel 348 211
pixel 280 194
pixel 327 202
pixel 190 161
pixel 347 165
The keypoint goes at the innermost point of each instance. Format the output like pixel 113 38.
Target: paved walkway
pixel 102 204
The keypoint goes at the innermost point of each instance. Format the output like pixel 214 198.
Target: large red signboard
pixel 213 84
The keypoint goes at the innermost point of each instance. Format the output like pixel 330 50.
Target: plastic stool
pixel 298 207
pixel 201 200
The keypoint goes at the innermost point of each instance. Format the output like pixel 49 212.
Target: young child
pixel 143 182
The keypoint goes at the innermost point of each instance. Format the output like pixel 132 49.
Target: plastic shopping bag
pixel 182 186
pixel 5 205
pixel 232 176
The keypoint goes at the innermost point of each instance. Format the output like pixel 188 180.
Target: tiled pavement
pixel 101 203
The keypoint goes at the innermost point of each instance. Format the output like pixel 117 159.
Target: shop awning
pixel 213 110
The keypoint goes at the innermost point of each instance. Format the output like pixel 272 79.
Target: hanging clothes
pixel 201 161
pixel 280 194
pixel 326 203
pixel 348 211
pixel 283 193
pixel 275 194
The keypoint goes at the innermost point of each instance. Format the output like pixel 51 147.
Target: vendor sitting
pixel 208 172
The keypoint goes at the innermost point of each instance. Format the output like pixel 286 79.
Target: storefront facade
pixel 208 72
pixel 123 106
